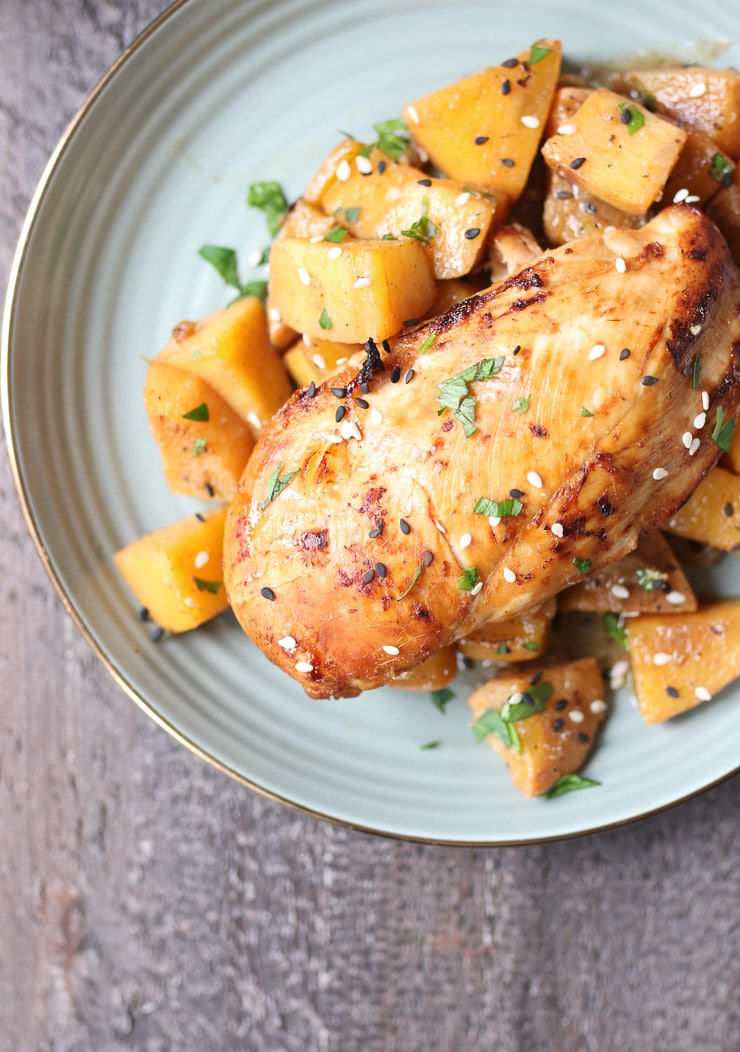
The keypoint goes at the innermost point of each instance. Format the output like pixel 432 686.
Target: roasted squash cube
pixel 521 638
pixel 317 360
pixel 436 672
pixel 711 515
pixel 700 172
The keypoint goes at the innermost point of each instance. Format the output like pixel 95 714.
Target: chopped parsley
pixel 336 234
pixel 431 745
pixel 492 722
pixel 200 413
pixel 723 430
pixel 584 565
pixel 276 484
pixel 441 697
pixel 567 784
pixel 499 509
pixel 469 579
pixel 324 320
pixel 454 394
pixel 695 371
pixel 530 645
pixel 537 53
pixel 521 405
pixel 721 169
pixel 199 446
pixel 650 580
pixel 632 117
pixel 207 586
pixel 268 196
pixel 614 625
pixel 586 412
pixel 225 263
pixel 423 229
pixel 530 702
pixel 393 137
pixel 414 579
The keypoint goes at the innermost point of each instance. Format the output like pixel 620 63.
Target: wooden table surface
pixel 148 902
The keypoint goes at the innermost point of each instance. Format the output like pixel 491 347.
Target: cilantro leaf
pixel 336 234
pixel 650 580
pixel 537 53
pixel 614 625
pixel 276 484
pixel 455 395
pixel 492 722
pixel 721 169
pixel 723 430
pixel 207 586
pixel 499 509
pixel 199 446
pixel 268 196
pixel 441 697
pixel 521 404
pixel 584 565
pixel 529 703
pixel 200 413
pixel 632 117
pixel 393 137
pixel 225 263
pixel 468 580
pixel 431 745
pixel 324 320
pixel 423 229
pixel 567 784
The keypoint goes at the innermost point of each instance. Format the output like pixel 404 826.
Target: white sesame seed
pixel 319 361
pixel 692 199
pixel 334 439
pixel 413 114
pixel 705 400
pixel 509 575
pixel 393 651
pixel 576 716
pixel 703 694
pixel 598 705
pixel 694 447
pixel 316 238
pixel 334 252
pixel 363 164
pixel 254 258
pixel 393 193
pixel 494 520
pixel 304 276
pixel 534 479
pixel 349 429
pixel 341 361
pixel 675 598
pixel 620 264
pixel 530 121
pixel 303 666
pixel 287 643
pixel 700 420
pixel 617 678
pixel 361 283
pixel 306 339
pixel 557 529
pixel 465 541
pixel 439 526
pixel 189 601
pixel 694 329
pixel 255 421
pixel 201 559
pixel 697 90
pixel 687 438
pixel 567 129
pixel 659 474
pixel 463 198
pixel 478 587
pixel 376 417
pixel 516 698
pixel 680 195
pixel 620 592
pixel 273 314
pixel 596 351
pixel 343 171
pixel 661 658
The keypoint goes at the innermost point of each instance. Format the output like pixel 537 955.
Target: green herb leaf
pixel 614 625
pixel 255 288
pixel 224 262
pixel 441 697
pixel 324 319
pixel 530 645
pixel 721 169
pixel 584 565
pixel 469 579
pixel 499 509
pixel 336 234
pixel 352 214
pixel 586 412
pixel 389 237
pixel 637 117
pixel 427 342
pixel 276 484
pixel 393 137
pixel 502 649
pixel 199 413
pixel 207 586
pixel 366 150
pixel 431 745
pixel 695 371
pixel 533 701
pixel 492 722
pixel 537 53
pixel 567 784
pixel 650 580
pixel 268 196
pixel 423 229
pixel 454 393
pixel 723 430
pixel 414 579
pixel 521 404
pixel 199 446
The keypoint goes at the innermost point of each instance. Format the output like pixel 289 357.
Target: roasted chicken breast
pixel 490 457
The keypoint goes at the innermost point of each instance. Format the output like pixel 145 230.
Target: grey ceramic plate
pixel 217 94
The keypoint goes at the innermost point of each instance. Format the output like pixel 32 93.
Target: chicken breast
pixel 490 458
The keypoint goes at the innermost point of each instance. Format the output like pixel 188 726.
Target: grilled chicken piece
pixel 362 528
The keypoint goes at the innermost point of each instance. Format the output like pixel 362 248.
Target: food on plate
pixel 524 637
pixel 711 515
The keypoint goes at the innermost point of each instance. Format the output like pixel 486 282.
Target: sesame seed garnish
pixel 596 351
pixel 200 517
pixel 424 182
pixel 557 529
pixel 694 329
pixel 465 541
pixel 210 490
pixel 583 737
pixel 319 361
pixel 393 651
pixel 350 429
pixel 620 264
pixel 376 532
pixel 563 195
pixel 510 63
pixel 661 658
pixel 304 276
pixel 624 354
pixel 189 601
pixel 404 526
pixel 687 438
pixel 362 403
pixel 409 376
pixel 560 704
pixel 472 233
pixel 254 258
pixel 516 493
pixel 705 400
pixel 413 114
pixel 340 413
pixel 577 163
pixel 201 559
pixel 700 420
pixel 558 724
pixel 463 198
pixel 439 526
pixel 597 706
pixel 534 479
pixel 368 576
pixel 311 390
pixel 505 86
pixel 376 417
pixel 380 570
pixel 694 447
pixel 659 474
pixel 410 322
pixel 697 90
pixel 480 139
pixel 692 199
pixel 567 129
pixel 157 634
pixel 334 252
pixel 648 381
pixel 672 692
pixel 680 195
pixel 517 349
pixel 508 162
pixel 339 392
pixel 363 164
pixel 427 558
pixel 287 643
pixel 576 716
pixel 361 283
pixel 381 167
pixel 728 510
pixel 144 614
pixel 626 115
pixel 316 239
pixel 273 314
pixel 620 592
pixel 477 588
pixel 303 666
pixel 395 374
pixel 703 694
pixel 509 575
pixel 267 593
pixel 530 121
pixel 343 171
pixel 675 598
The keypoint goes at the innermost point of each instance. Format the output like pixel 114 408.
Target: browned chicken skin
pixel 373 554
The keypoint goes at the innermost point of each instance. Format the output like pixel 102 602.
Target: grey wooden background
pixel 147 902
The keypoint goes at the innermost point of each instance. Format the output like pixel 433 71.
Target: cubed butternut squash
pixel 678 663
pixel 711 515
pixel 436 672
pixel 204 444
pixel 366 288
pixel 175 572
pixel 521 638
pixel 316 360
pixel 700 172
pixel 553 718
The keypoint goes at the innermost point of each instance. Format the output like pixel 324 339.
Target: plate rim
pixel 118 675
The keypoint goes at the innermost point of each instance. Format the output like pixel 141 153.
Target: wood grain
pixel 147 902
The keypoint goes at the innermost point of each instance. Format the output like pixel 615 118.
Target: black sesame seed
pixel 589 208
pixel 561 704
pixel 427 558
pixel 583 737
pixel 362 403
pixel 558 725
pixel 368 576
pixel 267 593
pixel 624 354
pixel 380 569
pixel 376 532
pixel 505 87
pixel 157 634
pixel 472 233
pixel 728 510
pixel 365 387
pixel 144 614
pixel 577 163
pixel 626 115
pixel 534 680
pixel 381 167
pixel 527 699
pixel 517 349
pixel 563 195
pixel 311 392
pixel 510 63
pixel 648 381
pixel 409 376
pixel 339 392
pixel 516 493
pixel 395 374
pixel 671 692
pixel 480 139
pixel 405 528
pixel 210 490
pixel 386 347
pixel 508 162
pixel 340 413
pixel 409 322
pixel 424 182
pixel 200 516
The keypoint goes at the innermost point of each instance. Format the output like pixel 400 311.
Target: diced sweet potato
pixel 485 129
pixel 316 360
pixel 706 99
pixel 711 515
pixel 204 443
pixel 648 580
pixel 175 573
pixel 231 351
pixel 367 288
pixel 623 162
pixel 700 172
pixel 521 638
pixel 678 663
pixel 556 740
pixel 433 674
